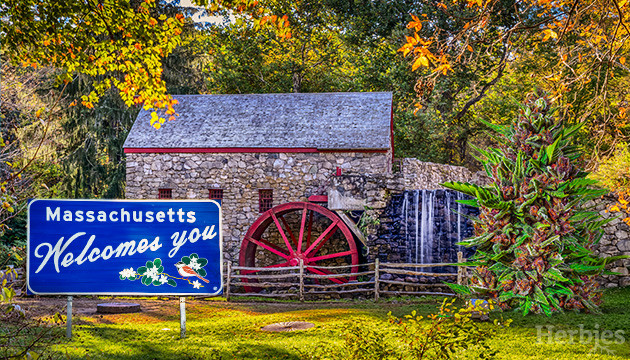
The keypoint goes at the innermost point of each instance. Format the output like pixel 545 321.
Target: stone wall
pixel 615 241
pixel 292 176
pixel 419 175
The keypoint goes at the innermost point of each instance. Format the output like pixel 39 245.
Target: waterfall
pixel 432 225
pixel 405 207
pixel 422 235
pixel 459 220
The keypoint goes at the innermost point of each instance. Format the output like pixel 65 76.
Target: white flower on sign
pixel 128 273
pixel 152 273
pixel 163 279
pixel 194 264
pixel 196 284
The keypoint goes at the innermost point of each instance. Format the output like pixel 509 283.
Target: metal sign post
pixel 69 318
pixel 182 317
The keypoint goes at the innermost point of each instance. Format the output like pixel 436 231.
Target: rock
pixel 117 308
pixel 412 279
pixel 623 245
pixel 386 276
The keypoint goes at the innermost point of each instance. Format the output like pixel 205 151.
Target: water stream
pixel 429 225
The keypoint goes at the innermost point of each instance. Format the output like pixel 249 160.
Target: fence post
pixel 301 280
pixel 228 280
pixel 460 270
pixel 376 279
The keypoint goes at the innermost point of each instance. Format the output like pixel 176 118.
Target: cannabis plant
pixel 534 237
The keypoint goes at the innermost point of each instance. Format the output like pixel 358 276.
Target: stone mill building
pixel 301 177
pixel 255 152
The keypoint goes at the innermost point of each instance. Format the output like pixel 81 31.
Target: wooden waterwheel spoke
pixel 286 226
pixel 284 236
pixel 321 240
pixel 310 228
pixel 268 246
pixel 246 272
pixel 302 228
pixel 331 256
pixel 326 272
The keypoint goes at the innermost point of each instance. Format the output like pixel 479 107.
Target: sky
pixel 200 16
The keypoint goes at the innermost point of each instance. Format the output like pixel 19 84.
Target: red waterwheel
pixel 297 218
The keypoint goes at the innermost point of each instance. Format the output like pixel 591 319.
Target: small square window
pixel 215 194
pixel 265 200
pixel 165 193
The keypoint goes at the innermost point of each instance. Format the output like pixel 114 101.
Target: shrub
pixel 439 336
pixel 533 236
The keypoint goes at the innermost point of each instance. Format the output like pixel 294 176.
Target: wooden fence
pixel 300 280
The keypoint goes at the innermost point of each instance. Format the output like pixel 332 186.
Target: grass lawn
pixel 220 330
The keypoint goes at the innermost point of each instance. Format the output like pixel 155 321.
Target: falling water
pixel 422 235
pixel 459 220
pixel 432 223
pixel 405 207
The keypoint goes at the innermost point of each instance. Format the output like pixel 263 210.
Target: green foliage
pixel 440 336
pixel 613 173
pixel 118 42
pixel 533 237
pixel 448 333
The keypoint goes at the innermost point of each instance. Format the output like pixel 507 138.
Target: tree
pixel 464 50
pixel 534 238
pixel 117 42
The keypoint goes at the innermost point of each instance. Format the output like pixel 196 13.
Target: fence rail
pixel 345 282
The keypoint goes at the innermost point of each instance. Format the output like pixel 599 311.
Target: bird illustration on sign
pixel 153 272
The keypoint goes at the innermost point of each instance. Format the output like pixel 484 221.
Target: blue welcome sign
pixel 124 247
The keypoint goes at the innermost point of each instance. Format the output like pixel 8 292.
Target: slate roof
pixel 325 121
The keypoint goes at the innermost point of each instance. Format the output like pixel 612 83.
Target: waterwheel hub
pixel 295 261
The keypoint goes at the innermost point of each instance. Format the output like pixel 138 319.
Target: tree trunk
pixel 297 82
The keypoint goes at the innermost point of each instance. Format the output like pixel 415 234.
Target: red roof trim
pixel 243 150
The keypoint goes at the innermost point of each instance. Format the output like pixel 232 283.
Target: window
pixel 165 193
pixel 215 194
pixel 265 199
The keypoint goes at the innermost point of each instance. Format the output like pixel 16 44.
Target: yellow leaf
pixel 420 61
pixel 615 208
pixel 549 34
